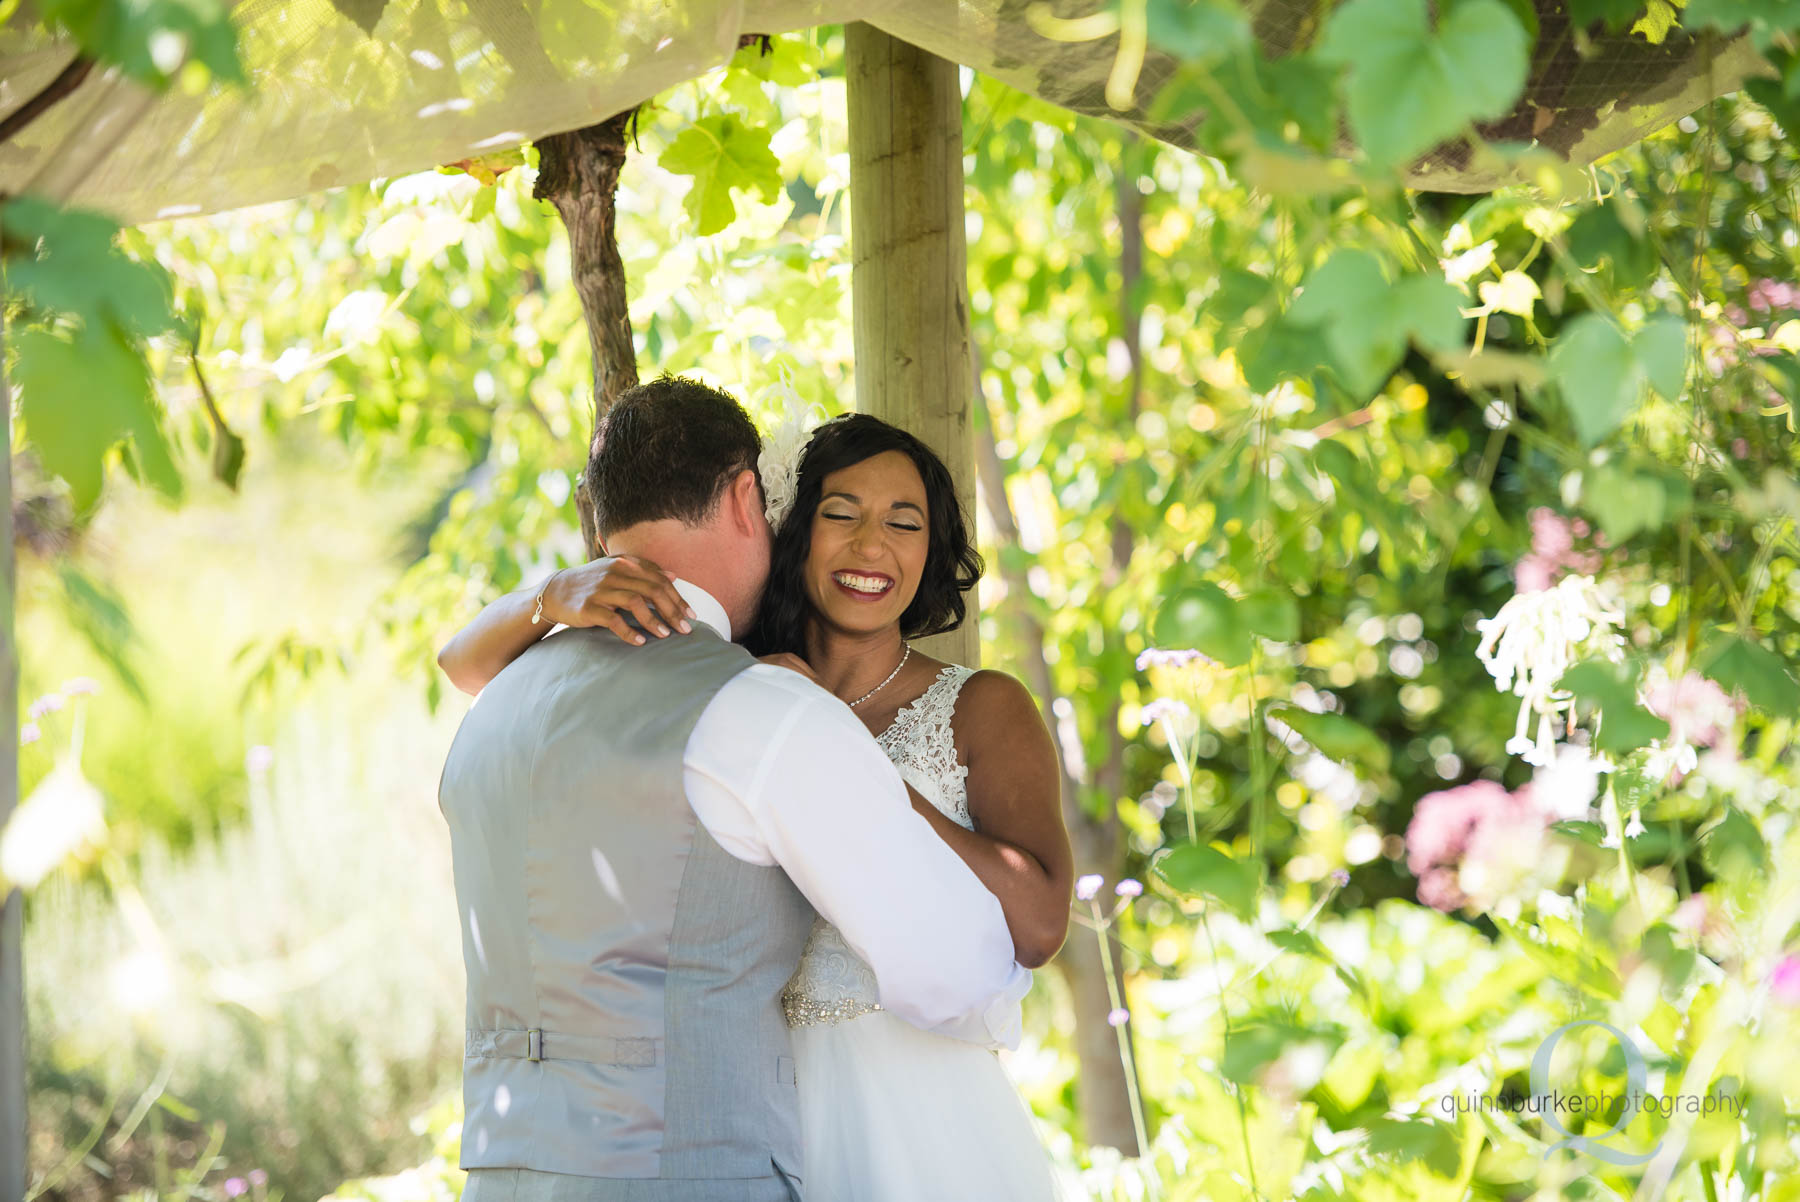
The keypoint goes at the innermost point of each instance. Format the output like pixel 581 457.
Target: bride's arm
pixel 1020 848
pixel 594 594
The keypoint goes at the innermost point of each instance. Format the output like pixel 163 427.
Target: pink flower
pixel 1696 709
pixel 1767 296
pixel 258 1177
pixel 1118 1017
pixel 1443 821
pixel 1784 982
pixel 1129 888
pixel 29 734
pixel 235 1187
pixel 1553 552
pixel 1088 886
pixel 49 703
pixel 81 686
pixel 1477 845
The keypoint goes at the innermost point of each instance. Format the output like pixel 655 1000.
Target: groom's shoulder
pixel 770 694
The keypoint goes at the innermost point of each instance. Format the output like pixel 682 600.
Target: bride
pixel 875 551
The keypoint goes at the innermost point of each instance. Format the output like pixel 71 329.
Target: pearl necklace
pixel 884 684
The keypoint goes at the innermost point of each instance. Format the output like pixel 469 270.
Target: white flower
pixel 779 464
pixel 61 818
pixel 1568 784
pixel 1533 640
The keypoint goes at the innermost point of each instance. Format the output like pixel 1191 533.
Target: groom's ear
pixel 744 497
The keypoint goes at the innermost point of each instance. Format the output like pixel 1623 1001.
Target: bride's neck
pixel 850 664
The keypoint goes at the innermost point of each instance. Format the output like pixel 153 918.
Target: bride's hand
pixel 604 591
pixel 793 663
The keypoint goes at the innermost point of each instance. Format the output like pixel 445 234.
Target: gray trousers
pixel 531 1185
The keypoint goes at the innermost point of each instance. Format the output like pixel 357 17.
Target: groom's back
pixel 623 970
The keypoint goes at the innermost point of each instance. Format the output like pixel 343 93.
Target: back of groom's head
pixel 668 449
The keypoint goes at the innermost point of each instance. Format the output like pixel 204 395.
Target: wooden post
pixel 910 287
pixel 12 960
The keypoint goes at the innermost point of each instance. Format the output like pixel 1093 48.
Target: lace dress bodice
pixel 833 984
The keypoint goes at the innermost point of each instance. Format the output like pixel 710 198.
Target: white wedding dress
pixel 889 1113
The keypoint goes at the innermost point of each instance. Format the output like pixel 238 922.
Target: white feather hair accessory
pixel 783 444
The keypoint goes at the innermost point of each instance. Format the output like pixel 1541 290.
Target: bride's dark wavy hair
pixel 952 565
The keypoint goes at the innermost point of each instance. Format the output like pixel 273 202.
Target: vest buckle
pixel 534 1044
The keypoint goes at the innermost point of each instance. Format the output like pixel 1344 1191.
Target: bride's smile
pixel 869 542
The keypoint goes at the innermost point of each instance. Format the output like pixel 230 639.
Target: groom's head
pixel 673 478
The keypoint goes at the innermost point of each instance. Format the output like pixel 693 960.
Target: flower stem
pixel 1237 1091
pixel 1125 1057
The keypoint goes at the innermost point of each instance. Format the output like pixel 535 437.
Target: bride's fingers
pixel 647 617
pixel 656 585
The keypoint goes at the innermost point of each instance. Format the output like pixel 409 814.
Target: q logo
pixel 1635 1076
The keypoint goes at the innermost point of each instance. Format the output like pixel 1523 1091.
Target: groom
pixel 637 834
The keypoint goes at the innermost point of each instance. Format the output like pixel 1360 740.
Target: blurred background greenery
pixel 249 981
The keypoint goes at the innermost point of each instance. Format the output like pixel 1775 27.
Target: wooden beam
pixel 12 961
pixel 910 286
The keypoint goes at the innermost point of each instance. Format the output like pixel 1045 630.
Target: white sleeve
pixel 781 772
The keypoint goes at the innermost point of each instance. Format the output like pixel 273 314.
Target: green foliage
pixel 1603 374
pixel 152 40
pixel 721 153
pixel 1411 86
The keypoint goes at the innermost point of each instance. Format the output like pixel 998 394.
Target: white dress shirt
pixel 779 771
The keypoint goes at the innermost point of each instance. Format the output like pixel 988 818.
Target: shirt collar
pixel 706 607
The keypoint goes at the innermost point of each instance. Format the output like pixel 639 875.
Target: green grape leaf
pixel 1612 688
pixel 151 40
pixel 1766 19
pixel 1197 32
pixel 1616 14
pixel 1204 617
pixel 1367 322
pixel 65 261
pixel 1417 1139
pixel 1410 87
pixel 1741 665
pixel 1200 870
pixel 1733 847
pixel 1602 374
pixel 81 397
pixel 722 154
pixel 1271 612
pixel 1624 502
pixel 1337 737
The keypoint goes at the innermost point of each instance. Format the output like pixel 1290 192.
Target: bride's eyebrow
pixel 854 499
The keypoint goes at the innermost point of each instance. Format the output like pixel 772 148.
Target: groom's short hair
pixel 668 449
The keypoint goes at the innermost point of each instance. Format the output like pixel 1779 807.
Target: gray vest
pixel 624 971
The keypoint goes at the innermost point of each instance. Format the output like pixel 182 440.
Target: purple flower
pixel 1129 888
pixel 1340 877
pixel 29 734
pixel 1165 709
pixel 258 759
pixel 1117 1018
pixel 1156 657
pixel 49 703
pixel 81 686
pixel 235 1187
pixel 1784 982
pixel 1086 887
pixel 258 1177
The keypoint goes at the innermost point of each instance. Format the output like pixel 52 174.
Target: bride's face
pixel 870 535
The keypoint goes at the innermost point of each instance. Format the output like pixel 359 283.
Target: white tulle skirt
pixel 889 1113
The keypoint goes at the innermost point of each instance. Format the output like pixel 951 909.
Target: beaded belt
pixel 803 1011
